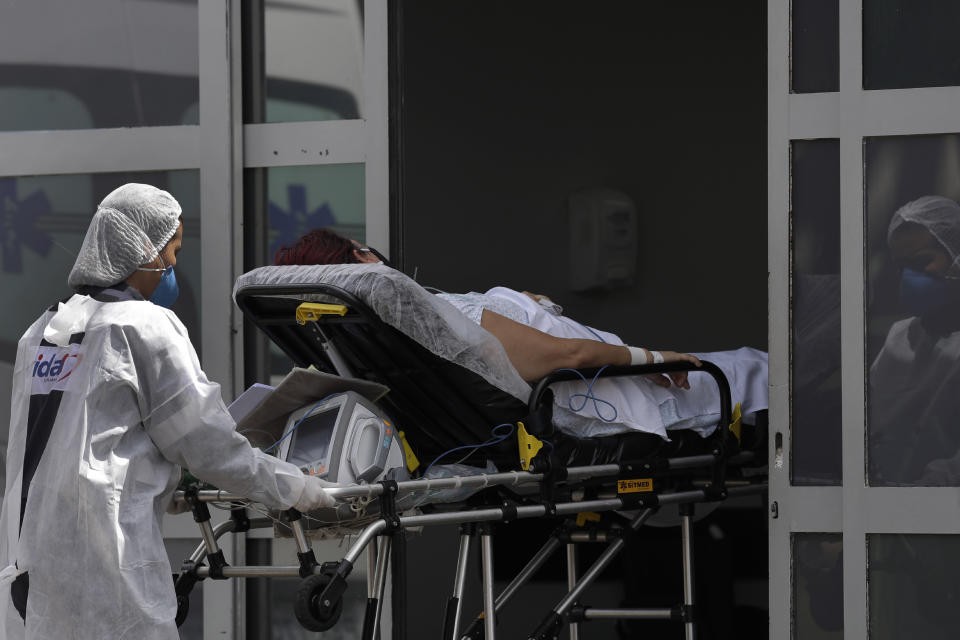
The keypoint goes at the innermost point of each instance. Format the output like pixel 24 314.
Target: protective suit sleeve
pixel 185 417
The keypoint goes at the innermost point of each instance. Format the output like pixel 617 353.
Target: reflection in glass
pixel 311 62
pixel 816 392
pixel 283 203
pixel 814 46
pixel 913 310
pixel 43 220
pixel 98 64
pixel 910 43
pixel 817 586
pixel 913 586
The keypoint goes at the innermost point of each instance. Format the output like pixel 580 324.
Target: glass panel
pixel 817 586
pixel 913 588
pixel 43 220
pixel 910 43
pixel 311 66
pixel 178 550
pixel 814 46
pixel 308 197
pixel 912 307
pixel 816 390
pixel 283 203
pixel 98 64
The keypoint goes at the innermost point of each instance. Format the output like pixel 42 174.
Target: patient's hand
pixel 679 378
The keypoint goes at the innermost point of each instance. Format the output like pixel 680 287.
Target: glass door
pixel 864 177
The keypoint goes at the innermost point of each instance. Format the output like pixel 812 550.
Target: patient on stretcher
pixel 538 339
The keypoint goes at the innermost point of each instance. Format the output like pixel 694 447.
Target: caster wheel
pixel 183 608
pixel 307 604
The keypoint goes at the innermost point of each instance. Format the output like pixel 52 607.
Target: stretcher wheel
pixel 307 605
pixel 183 608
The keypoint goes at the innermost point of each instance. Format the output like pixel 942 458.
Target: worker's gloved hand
pixel 315 495
pixel 176 507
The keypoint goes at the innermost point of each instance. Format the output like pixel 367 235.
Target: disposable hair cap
pixel 941 217
pixel 131 226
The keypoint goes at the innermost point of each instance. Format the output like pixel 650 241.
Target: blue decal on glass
pixel 291 224
pixel 18 220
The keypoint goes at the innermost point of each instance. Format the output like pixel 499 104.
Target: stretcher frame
pixel 560 493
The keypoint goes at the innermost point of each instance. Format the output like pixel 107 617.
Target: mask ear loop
pixel 161 269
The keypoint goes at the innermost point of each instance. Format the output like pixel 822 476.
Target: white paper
pixel 249 400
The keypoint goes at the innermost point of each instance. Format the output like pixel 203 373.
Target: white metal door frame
pixel 854 509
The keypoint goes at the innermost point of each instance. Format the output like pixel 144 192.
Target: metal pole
pixel 303 545
pixel 528 571
pixel 489 608
pixel 686 513
pixel 459 583
pixel 628 614
pixel 381 579
pixel 594 571
pixel 372 570
pixel 572 583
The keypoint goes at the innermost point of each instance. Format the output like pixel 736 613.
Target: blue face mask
pixel 167 291
pixel 921 293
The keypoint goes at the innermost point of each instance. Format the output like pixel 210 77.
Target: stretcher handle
pixel 715 372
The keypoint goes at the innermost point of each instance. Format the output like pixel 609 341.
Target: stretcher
pixel 339 320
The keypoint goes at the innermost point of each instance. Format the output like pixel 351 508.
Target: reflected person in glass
pixel 914 399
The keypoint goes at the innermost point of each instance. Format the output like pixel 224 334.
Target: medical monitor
pixel 311 441
pixel 343 438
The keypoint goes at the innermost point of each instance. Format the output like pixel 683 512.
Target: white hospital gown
pixel 640 404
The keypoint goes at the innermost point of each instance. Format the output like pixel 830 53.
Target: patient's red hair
pixel 318 246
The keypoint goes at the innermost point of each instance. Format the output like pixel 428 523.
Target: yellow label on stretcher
pixel 528 446
pixel 408 454
pixel 311 311
pixel 638 485
pixel 737 423
pixel 587 516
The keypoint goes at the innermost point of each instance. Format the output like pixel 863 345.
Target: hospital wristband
pixel 657 357
pixel 638 355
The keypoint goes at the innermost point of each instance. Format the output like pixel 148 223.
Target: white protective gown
pixel 914 406
pixel 97 431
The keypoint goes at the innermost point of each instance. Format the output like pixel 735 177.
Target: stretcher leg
pixel 686 520
pixel 572 583
pixel 451 620
pixel 376 587
pixel 486 559
pixel 371 611
pixel 383 564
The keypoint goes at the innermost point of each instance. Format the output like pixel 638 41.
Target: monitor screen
pixel 312 438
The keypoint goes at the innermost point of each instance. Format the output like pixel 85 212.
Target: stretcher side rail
pixel 540 400
pixel 510 478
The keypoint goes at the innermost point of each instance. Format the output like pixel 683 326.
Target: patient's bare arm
pixel 535 354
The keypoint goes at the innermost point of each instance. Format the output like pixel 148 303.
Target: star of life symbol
pixel 18 225
pixel 289 224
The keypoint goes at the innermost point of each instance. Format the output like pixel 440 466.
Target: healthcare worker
pixel 108 401
pixel 914 401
